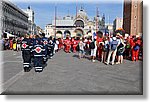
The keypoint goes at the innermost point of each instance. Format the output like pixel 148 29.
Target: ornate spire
pixel 29 7
pixel 103 16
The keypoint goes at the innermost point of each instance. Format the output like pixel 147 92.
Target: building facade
pixel 49 30
pixel 110 28
pixel 13 19
pixel 31 24
pixel 39 30
pixel 73 26
pixel 0 19
pixel 118 23
pixel 133 17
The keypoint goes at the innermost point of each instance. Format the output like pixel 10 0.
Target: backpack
pixel 121 50
pixel 136 47
pixel 92 45
pixel 105 47
pixel 114 44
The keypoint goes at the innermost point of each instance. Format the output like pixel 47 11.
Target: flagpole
pixel 76 10
pixel 55 19
pixel 96 20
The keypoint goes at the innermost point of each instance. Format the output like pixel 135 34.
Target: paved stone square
pixel 66 74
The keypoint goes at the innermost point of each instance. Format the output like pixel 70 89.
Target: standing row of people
pixel 106 49
pixel 11 44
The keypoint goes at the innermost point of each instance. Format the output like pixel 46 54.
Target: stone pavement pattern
pixel 66 74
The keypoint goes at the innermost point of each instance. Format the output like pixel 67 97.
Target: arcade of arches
pixel 76 33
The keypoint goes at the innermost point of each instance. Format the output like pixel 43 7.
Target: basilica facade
pixel 79 25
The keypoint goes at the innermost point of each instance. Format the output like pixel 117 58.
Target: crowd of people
pixel 103 48
pixel 11 43
pixel 106 49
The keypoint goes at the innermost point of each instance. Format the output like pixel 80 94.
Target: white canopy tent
pixel 9 35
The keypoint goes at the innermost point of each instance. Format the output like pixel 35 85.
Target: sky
pixel 44 9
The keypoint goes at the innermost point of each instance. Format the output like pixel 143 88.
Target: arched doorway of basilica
pixel 79 32
pixel 67 33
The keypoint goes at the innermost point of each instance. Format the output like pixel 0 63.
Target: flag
pixel 94 34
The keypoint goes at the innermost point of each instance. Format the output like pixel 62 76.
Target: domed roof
pixel 82 12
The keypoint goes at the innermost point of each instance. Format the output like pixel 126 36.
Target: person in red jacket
pixel 64 43
pixel 100 48
pixel 72 42
pixel 67 45
pixel 139 42
pixel 135 47
pixel 11 44
pixel 131 45
pixel 74 45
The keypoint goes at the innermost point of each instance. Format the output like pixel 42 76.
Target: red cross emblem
pixel 38 49
pixel 45 42
pixel 24 45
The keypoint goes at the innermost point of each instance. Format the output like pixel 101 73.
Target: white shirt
pixel 81 45
pixel 56 45
pixel 95 45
